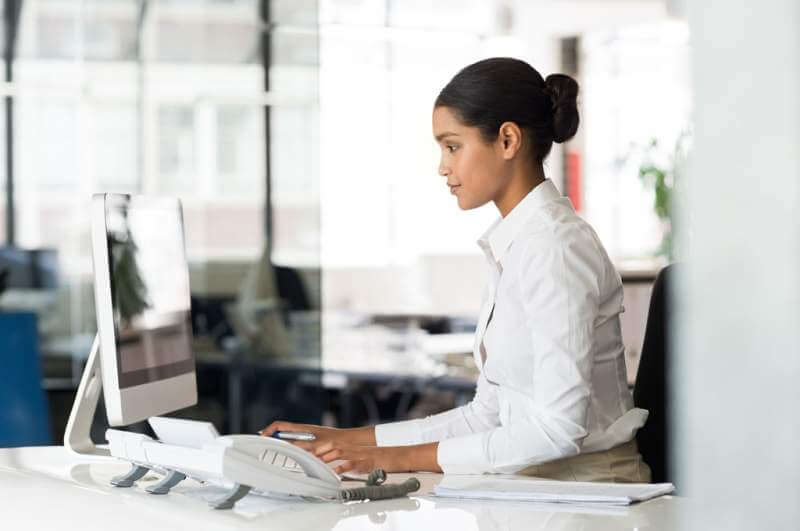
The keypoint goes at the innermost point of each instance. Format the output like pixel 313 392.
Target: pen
pixel 294 436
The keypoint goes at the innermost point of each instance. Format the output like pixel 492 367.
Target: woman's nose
pixel 444 171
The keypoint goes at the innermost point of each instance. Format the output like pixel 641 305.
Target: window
pixel 635 88
pixel 386 213
pixel 176 150
pixel 173 103
pixel 384 207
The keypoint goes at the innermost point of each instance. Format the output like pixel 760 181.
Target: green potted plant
pixel 662 173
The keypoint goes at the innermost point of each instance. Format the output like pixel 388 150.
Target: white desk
pixel 45 488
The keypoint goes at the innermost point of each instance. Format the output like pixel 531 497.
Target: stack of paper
pixel 541 490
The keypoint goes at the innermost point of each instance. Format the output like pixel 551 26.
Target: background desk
pixel 46 488
pixel 241 390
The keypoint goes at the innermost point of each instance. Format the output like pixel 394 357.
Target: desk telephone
pixel 194 449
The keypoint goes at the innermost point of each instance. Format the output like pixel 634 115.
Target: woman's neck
pixel 520 185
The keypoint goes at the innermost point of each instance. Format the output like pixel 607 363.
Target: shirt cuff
pixel 401 433
pixel 465 455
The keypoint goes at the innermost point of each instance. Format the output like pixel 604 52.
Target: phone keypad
pixel 274 458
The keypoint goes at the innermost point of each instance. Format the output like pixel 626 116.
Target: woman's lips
pixel 454 188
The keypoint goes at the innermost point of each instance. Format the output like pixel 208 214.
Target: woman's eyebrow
pixel 441 136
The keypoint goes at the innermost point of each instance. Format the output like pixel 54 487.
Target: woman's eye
pixel 451 149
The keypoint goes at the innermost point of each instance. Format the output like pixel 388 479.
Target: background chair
pixel 24 414
pixel 652 386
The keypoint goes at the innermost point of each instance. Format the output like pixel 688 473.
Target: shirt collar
pixel 499 236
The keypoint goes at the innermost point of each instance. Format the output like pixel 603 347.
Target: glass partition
pixel 211 101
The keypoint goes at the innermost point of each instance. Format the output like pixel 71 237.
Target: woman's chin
pixel 464 204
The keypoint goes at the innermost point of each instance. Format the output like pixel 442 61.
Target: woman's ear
pixel 509 139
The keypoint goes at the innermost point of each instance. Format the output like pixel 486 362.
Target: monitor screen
pixel 149 289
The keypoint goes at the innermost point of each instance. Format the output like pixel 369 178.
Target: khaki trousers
pixel 621 464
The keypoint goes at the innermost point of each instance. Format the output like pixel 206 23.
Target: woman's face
pixel 474 169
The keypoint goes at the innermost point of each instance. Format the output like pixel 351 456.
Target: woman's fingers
pixel 359 466
pixel 331 451
pixel 322 447
pixel 357 458
pixel 332 455
pixel 345 466
pixel 360 459
pixel 315 447
pixel 278 425
pixel 282 425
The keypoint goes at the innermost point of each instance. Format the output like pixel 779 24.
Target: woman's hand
pixel 364 459
pixel 355 458
pixel 360 436
pixel 357 450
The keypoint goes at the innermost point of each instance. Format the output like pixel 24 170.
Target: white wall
pixel 738 373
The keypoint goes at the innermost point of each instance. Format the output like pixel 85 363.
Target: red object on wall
pixel 574 180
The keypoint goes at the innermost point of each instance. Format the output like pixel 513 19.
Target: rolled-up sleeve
pixel 559 290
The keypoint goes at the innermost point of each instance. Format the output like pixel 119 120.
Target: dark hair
pixel 487 93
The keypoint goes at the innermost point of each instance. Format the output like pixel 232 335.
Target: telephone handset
pixel 246 464
pixel 259 446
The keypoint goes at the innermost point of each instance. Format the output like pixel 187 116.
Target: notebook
pixel 540 490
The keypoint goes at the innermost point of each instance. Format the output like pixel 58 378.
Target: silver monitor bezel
pixel 135 403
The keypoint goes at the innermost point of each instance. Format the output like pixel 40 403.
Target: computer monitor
pixel 142 355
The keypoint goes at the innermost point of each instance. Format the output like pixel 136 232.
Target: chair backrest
pixel 24 414
pixel 291 288
pixel 651 391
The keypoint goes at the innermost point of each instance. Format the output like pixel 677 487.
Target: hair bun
pixel 563 92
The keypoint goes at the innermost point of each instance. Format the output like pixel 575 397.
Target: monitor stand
pixel 77 436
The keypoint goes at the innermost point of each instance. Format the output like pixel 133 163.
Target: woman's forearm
pixel 412 458
pixel 364 436
pixel 417 458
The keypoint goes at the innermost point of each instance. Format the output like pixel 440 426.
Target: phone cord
pixel 376 490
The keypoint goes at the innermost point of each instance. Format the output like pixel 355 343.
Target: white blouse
pixel 548 345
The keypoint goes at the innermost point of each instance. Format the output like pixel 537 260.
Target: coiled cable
pixel 376 490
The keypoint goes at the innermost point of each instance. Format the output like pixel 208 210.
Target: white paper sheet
pixel 539 490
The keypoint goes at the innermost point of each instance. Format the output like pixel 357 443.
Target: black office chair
pixel 291 288
pixel 652 388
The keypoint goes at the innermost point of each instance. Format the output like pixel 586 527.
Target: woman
pixel 551 399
